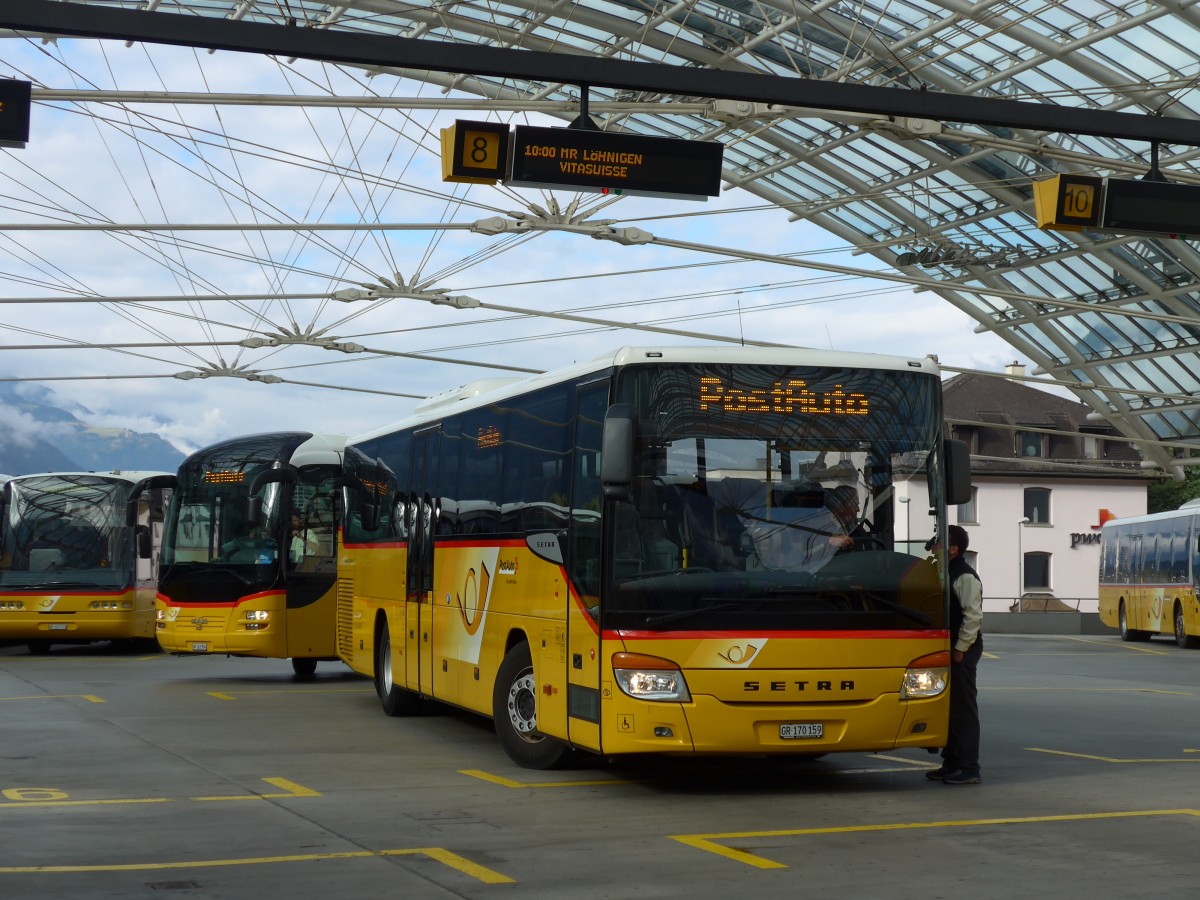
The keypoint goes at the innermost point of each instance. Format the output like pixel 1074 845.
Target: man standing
pixel 960 756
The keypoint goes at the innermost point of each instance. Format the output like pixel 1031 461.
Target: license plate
pixel 791 731
pixel 199 648
pixel 57 626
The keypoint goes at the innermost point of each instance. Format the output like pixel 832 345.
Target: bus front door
pixel 418 617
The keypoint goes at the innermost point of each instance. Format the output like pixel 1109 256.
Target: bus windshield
pixel 766 497
pixel 66 531
pixel 209 523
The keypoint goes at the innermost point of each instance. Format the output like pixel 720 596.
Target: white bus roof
pixel 130 475
pixel 475 394
pixel 320 449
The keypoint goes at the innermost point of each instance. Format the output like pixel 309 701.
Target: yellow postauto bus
pixel 250 556
pixel 79 556
pixel 1148 575
pixel 664 550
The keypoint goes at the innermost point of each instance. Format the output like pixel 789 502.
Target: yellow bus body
pixel 69 616
pixel 448 645
pixel 257 625
pixel 1151 608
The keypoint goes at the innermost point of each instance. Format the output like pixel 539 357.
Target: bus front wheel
pixel 1127 633
pixel 395 700
pixel 304 668
pixel 1182 638
pixel 514 707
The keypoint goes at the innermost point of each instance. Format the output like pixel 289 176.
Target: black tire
pixel 1182 638
pixel 395 700
pixel 514 708
pixel 304 667
pixel 1123 624
pixel 38 648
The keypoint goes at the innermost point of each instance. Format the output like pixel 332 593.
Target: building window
pixel 1030 444
pixel 1037 506
pixel 968 512
pixel 1036 572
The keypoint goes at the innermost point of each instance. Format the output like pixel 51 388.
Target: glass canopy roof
pixel 940 206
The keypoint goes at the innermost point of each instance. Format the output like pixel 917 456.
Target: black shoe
pixel 939 774
pixel 961 776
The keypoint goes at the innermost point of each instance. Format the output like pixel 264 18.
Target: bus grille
pixel 345 618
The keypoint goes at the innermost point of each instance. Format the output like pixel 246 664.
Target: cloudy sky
pixel 120 315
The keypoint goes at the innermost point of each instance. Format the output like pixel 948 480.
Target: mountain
pixel 39 435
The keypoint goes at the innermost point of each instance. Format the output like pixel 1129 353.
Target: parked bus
pixel 1148 575
pixel 249 562
pixel 638 555
pixel 79 556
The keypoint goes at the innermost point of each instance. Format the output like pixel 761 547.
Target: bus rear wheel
pixel 1182 638
pixel 395 700
pixel 304 668
pixel 514 708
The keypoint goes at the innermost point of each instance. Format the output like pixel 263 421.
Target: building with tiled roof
pixel 1046 475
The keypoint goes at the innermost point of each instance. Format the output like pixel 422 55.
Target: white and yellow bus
pixel 1148 571
pixel 250 556
pixel 79 556
pixel 637 555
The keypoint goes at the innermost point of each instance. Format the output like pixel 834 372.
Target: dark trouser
pixel 962 744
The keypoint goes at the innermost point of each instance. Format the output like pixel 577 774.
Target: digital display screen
pixel 219 476
pixel 487 436
pixel 788 396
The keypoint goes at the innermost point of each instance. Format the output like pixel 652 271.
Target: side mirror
pixel 616 451
pixel 145 546
pixel 282 475
pixel 156 484
pixel 958 472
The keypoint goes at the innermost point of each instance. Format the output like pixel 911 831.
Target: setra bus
pixel 1148 575
pixel 79 556
pixel 249 557
pixel 640 554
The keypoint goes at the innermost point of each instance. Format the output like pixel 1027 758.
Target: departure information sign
pixel 609 162
pixel 1152 207
pixel 14 112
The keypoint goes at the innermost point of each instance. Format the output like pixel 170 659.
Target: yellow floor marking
pixel 987 655
pixel 90 698
pixel 1112 759
pixel 229 695
pixel 292 790
pixel 706 841
pixel 1122 645
pixel 438 854
pixel 509 783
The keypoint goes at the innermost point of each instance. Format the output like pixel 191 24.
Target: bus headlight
pixel 649 677
pixel 926 676
pixel 257 615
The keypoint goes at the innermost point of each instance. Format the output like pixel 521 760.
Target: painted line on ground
pixel 90 698
pixel 290 789
pixel 438 854
pixel 1113 759
pixel 707 842
pixel 233 695
pixel 509 783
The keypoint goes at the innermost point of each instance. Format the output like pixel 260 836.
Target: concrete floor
pixel 135 774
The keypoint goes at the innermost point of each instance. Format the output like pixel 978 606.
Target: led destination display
pixel 621 163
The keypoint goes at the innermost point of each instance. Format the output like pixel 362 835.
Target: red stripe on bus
pixel 839 635
pixel 238 602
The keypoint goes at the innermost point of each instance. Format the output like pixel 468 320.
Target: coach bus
pixel 79 555
pixel 1148 574
pixel 249 557
pixel 638 555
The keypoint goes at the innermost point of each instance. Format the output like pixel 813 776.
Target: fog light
pixel 663 731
